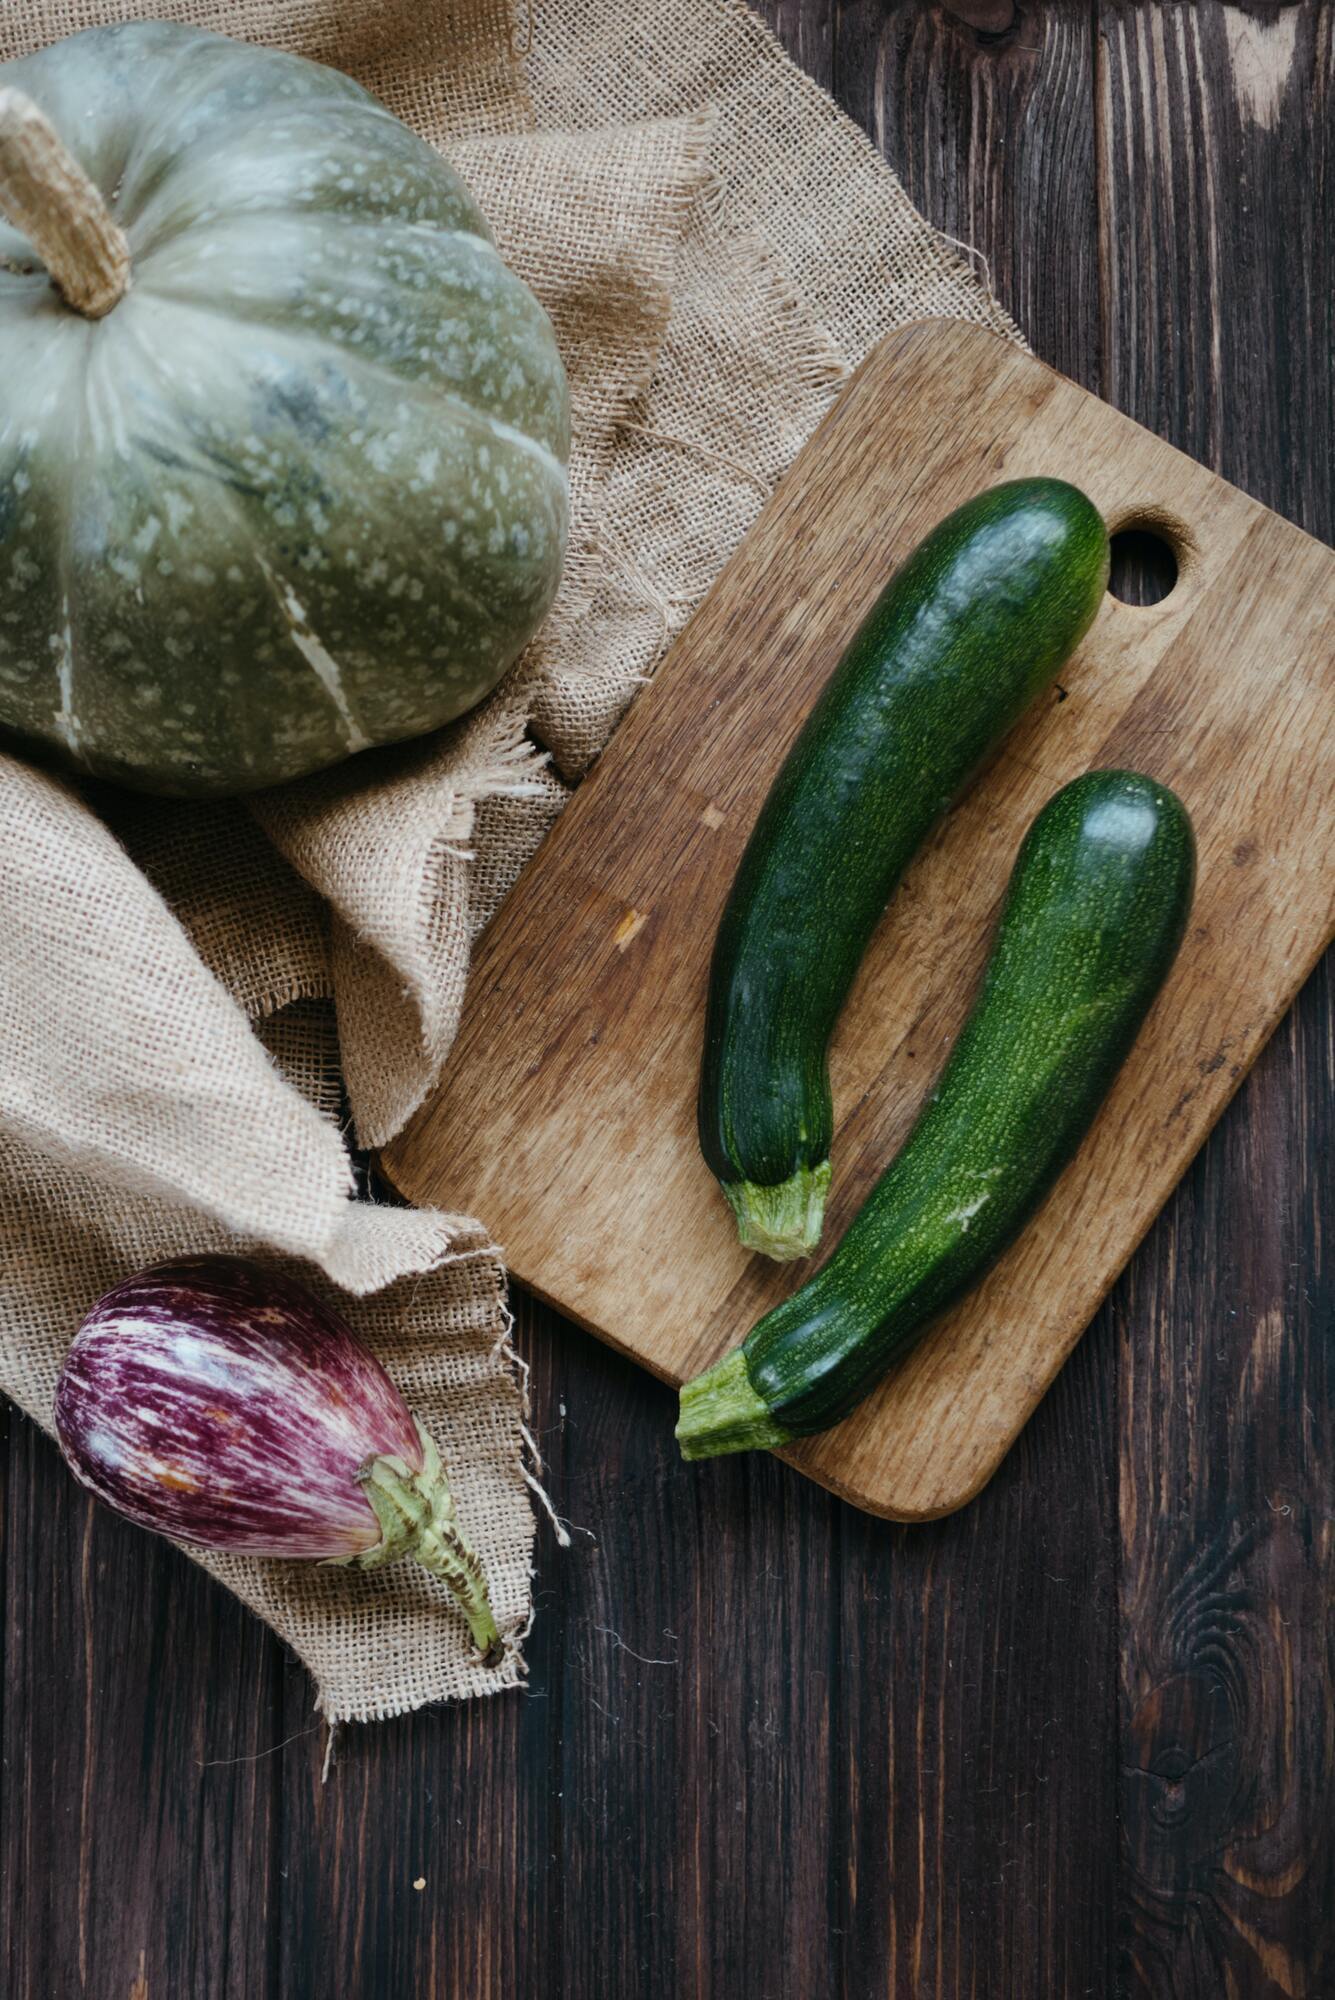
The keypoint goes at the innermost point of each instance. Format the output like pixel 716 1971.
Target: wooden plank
pixel 975 1746
pixel 420 1866
pixel 977 1737
pixel 985 110
pixel 1216 146
pixel 140 1796
pixel 567 1112
pixel 464 1801
pixel 701 1831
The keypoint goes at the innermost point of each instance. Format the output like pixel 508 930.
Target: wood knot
pixel 991 20
pixel 1183 1757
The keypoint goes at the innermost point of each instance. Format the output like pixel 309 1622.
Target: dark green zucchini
pixel 977 623
pixel 1092 920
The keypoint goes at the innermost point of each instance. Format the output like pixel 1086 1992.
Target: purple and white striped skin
pixel 217 1402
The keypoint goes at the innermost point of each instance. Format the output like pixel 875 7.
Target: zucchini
pixel 1095 912
pixel 975 624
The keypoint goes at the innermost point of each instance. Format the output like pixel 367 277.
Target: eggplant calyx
pixel 418 1519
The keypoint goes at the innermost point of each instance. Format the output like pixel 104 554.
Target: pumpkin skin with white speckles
pixel 302 490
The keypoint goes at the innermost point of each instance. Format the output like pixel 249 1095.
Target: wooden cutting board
pixel 566 1117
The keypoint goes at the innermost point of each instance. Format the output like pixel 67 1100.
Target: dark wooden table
pixel 1079 1739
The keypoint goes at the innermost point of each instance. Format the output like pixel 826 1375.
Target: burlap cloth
pixel 717 246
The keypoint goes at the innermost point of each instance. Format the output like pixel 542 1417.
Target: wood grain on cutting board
pixel 566 1115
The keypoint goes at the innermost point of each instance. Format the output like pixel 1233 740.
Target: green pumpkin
pixel 302 489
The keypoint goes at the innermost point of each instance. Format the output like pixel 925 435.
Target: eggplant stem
pixel 418 1519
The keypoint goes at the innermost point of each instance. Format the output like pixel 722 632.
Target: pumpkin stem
pixel 45 193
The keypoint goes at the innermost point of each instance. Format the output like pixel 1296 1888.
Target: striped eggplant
pixel 221 1404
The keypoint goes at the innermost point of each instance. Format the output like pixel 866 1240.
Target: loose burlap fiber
pixel 185 993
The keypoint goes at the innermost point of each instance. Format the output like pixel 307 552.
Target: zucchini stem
pixel 782 1222
pixel 721 1412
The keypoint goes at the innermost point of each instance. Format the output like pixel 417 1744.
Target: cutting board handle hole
pixel 1149 554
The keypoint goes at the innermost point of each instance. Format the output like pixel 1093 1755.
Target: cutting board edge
pixel 986 336
pixel 400 1159
pixel 853 1492
pixel 844 1490
pixel 1061 1352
